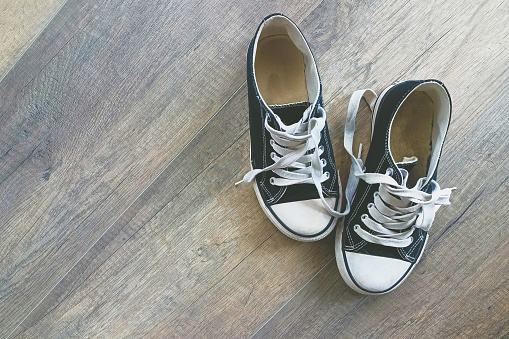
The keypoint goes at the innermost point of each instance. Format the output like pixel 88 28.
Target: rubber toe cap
pixel 306 217
pixel 375 274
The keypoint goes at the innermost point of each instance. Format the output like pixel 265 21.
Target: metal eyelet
pixel 371 205
pixel 272 155
pixel 356 227
pixel 321 148
pixel 411 239
pixel 324 162
pixel 389 171
pixel 271 180
pixel 271 142
pixel 327 174
pixel 364 216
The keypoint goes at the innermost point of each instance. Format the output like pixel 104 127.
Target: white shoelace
pixel 396 210
pixel 296 155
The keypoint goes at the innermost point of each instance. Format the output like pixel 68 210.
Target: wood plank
pixel 93 111
pixel 20 23
pixel 186 247
pixel 194 256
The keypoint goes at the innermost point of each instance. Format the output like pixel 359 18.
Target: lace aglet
pixel 360 151
pixel 239 182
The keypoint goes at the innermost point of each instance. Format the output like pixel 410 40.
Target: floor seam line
pixel 291 298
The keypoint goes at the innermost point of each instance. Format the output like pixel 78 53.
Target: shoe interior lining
pixel 285 70
pixel 411 133
pixel 280 71
pixel 419 128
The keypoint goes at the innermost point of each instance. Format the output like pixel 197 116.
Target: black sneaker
pixel 395 196
pixel 293 168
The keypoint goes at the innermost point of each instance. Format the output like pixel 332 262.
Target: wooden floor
pixel 124 124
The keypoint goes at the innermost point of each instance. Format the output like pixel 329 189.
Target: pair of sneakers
pixel 391 199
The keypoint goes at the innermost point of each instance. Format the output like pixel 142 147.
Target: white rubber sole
pixel 286 231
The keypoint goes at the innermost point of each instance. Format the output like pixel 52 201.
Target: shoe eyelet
pixel 324 162
pixel 411 240
pixel 389 171
pixel 321 148
pixel 271 180
pixel 364 216
pixel 356 227
pixel 376 194
pixel 327 174
pixel 271 142
pixel 272 155
pixel 371 205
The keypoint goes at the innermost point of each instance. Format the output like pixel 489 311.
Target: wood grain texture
pixel 124 126
pixel 20 23
pixel 98 116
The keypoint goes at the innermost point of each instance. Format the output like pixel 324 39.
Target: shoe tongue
pixel 405 166
pixel 289 114
pixel 407 163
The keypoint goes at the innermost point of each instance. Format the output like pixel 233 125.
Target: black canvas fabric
pixel 379 160
pixel 261 149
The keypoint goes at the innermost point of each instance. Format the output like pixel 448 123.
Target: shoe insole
pixel 411 133
pixel 280 71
